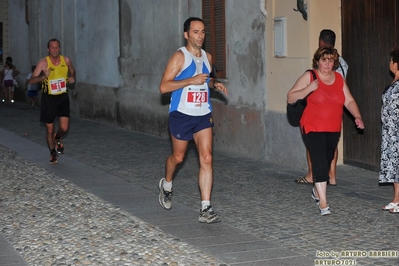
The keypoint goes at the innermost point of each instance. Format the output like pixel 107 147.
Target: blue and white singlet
pixel 192 100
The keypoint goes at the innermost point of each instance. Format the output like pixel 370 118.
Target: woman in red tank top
pixel 322 118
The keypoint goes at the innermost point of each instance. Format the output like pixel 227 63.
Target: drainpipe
pixel 263 7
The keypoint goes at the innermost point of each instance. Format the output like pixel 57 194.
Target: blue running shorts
pixel 183 126
pixel 32 94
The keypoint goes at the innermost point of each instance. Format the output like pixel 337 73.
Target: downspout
pixel 263 7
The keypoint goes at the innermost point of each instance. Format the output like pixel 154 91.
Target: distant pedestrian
pixel 55 72
pixel 389 171
pixel 8 80
pixel 32 89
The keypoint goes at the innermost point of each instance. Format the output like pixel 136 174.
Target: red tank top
pixel 324 109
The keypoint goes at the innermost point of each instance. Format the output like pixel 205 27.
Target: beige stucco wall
pixel 302 41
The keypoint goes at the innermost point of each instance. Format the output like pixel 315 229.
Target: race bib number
pixel 197 95
pixel 57 86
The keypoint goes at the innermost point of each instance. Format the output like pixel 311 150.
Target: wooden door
pixel 370 30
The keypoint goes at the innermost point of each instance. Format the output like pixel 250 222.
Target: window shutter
pixel 213 14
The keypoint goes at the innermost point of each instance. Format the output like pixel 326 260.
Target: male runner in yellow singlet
pixel 54 71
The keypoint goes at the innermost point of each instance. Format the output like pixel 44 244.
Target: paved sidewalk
pixel 268 219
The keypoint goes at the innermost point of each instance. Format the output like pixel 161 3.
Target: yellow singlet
pixel 56 82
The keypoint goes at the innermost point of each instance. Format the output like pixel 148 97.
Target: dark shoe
pixel 209 216
pixel 59 147
pixel 303 180
pixel 53 158
pixel 165 197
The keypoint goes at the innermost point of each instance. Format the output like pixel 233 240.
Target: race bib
pixel 57 86
pixel 196 95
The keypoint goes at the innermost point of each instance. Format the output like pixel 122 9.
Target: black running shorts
pixel 53 106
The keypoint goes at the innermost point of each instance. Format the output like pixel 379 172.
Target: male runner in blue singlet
pixel 190 114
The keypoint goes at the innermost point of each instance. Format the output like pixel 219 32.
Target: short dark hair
pixel 328 52
pixel 187 23
pixel 9 62
pixel 53 40
pixel 395 57
pixel 327 36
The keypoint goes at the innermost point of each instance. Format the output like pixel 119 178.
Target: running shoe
pixel 325 211
pixel 59 147
pixel 165 197
pixel 209 216
pixel 316 199
pixel 53 157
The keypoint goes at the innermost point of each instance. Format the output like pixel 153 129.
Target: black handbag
pixel 295 110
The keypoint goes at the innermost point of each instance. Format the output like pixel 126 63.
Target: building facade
pixel 121 47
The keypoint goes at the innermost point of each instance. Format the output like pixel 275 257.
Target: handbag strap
pixel 313 74
pixel 314 78
pixel 343 71
pixel 6 72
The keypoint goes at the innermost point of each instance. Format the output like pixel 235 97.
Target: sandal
pixel 391 205
pixel 394 209
pixel 303 180
pixel 329 183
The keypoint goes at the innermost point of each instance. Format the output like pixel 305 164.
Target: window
pixel 213 14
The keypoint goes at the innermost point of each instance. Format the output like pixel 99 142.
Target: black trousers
pixel 321 147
